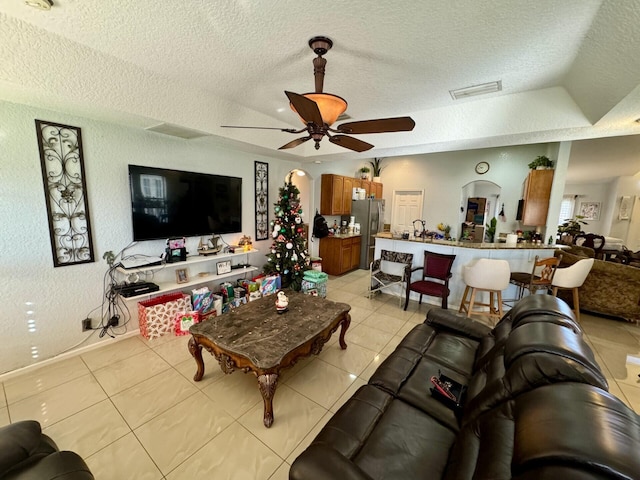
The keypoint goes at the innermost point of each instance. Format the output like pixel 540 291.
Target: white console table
pixel 199 268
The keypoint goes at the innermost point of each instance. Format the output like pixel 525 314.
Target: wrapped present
pixel 184 320
pixel 236 302
pixel 250 286
pixel 227 291
pixel 203 300
pixel 254 296
pixel 315 283
pixel 270 285
pixel 157 315
pixel 315 276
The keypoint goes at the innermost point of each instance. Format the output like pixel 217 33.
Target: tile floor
pixel 132 410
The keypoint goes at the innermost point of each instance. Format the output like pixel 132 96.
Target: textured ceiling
pixel 569 69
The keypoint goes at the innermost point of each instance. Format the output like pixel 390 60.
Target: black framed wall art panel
pixel 262 200
pixel 65 191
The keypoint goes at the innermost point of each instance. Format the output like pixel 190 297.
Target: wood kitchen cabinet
pixel 366 184
pixel 340 254
pixel 537 190
pixel 332 195
pixel 347 195
pixel 336 193
pixel 376 189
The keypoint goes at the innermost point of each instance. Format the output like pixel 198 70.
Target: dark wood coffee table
pixel 254 337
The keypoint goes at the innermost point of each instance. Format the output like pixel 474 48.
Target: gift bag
pixel 156 316
pixel 270 285
pixel 206 302
pixel 184 320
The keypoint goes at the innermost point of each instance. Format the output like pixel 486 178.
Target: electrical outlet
pixel 86 324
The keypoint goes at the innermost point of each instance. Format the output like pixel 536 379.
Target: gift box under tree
pixel 315 283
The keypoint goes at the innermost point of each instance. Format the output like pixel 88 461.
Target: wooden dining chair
pixel 590 240
pixel 540 277
pixel 436 272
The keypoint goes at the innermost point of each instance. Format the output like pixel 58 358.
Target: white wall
pixel 621 228
pixel 443 175
pixel 58 298
pixel 593 192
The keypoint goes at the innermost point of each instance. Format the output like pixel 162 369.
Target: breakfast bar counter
pixel 520 256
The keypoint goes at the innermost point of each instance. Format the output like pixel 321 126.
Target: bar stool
pixel 485 275
pixel 572 278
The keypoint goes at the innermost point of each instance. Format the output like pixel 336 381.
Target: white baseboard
pixel 63 356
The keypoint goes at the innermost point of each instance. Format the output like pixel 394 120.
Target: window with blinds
pixel 566 208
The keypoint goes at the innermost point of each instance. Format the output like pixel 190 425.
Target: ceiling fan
pixel 318 111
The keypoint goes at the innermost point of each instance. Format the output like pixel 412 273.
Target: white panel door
pixel 407 207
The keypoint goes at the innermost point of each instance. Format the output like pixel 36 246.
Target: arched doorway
pixel 301 179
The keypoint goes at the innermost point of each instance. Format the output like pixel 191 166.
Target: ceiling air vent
pixel 176 131
pixel 474 90
pixel 344 116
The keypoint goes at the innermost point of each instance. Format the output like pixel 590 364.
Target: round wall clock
pixel 482 168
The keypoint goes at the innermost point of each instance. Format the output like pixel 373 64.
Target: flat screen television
pixel 171 203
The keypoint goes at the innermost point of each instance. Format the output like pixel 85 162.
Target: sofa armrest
pixel 63 465
pixel 17 442
pixel 321 462
pixel 445 319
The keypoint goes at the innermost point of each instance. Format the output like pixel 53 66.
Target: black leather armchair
pixel 28 454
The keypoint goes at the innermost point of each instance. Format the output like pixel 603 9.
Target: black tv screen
pixel 170 203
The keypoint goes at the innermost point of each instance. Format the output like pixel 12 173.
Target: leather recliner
pixel 28 454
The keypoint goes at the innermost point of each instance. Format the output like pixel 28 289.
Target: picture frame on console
pixel 182 275
pixel 223 267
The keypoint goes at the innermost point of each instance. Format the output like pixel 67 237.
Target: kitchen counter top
pixel 480 246
pixel 520 257
pixel 344 235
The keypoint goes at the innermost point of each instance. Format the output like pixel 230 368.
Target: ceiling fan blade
pixel 350 143
pixel 288 130
pixel 307 109
pixel 295 143
pixel 381 125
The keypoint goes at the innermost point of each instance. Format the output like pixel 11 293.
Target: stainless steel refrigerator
pixel 369 214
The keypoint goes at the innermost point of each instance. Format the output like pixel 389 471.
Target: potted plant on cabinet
pixel 376 164
pixel 364 173
pixel 570 228
pixel 541 162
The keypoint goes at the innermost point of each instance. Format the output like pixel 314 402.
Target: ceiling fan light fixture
pixel 330 106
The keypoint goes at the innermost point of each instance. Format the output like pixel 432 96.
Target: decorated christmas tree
pixel 289 256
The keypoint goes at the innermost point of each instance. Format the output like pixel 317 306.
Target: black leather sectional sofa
pixel 28 454
pixel 536 407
